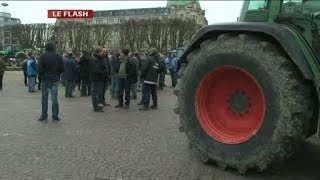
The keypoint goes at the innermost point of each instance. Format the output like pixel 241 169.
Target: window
pixel 258 4
pixel 292 6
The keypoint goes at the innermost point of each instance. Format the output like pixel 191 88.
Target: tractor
pixel 249 90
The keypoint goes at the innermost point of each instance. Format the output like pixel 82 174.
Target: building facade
pixel 183 9
pixel 7 40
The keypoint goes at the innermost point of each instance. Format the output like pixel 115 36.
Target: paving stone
pixel 117 144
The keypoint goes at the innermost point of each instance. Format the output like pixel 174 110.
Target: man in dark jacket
pixel 106 64
pixel 70 75
pixel 98 74
pixel 127 76
pixel 162 72
pixel 50 69
pixel 115 66
pixel 150 75
pixel 2 69
pixel 134 85
pixel 24 70
pixel 84 65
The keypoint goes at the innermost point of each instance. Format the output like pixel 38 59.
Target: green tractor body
pixel 249 91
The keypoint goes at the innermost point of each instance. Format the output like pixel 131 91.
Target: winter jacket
pixel 32 68
pixel 2 67
pixel 71 71
pixel 106 63
pixel 51 64
pixel 115 64
pixel 98 69
pixel 84 67
pixel 24 66
pixel 151 71
pixel 131 71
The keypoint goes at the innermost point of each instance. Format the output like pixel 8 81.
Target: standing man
pixel 106 65
pixel 162 71
pixel 115 66
pixel 127 75
pixel 36 57
pixel 70 75
pixel 150 75
pixel 32 72
pixel 134 85
pixel 2 69
pixel 98 75
pixel 84 66
pixel 50 69
pixel 24 69
pixel 173 68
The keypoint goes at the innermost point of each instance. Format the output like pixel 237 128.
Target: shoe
pixel 144 108
pixel 100 105
pixel 126 107
pixel 154 107
pixel 98 110
pixel 119 106
pixel 42 119
pixel 56 119
pixel 140 103
pixel 106 104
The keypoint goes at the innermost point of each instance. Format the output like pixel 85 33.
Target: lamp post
pixel 4 6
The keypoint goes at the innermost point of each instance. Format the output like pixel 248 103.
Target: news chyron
pixel 66 14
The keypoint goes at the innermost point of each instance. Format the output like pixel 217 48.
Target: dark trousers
pixel 86 87
pixel 1 78
pixel 39 83
pixel 124 87
pixel 68 88
pixel 97 90
pixel 162 77
pixel 149 89
pixel 102 96
pixel 25 78
pixel 174 76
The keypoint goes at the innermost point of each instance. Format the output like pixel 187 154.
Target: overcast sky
pixel 36 11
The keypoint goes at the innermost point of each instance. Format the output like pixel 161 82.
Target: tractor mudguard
pixel 280 33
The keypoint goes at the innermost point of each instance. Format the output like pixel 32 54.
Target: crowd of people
pixel 123 72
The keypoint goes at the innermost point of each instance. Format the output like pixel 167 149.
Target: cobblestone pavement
pixel 116 144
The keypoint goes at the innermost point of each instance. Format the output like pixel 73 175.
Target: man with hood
pixel 51 67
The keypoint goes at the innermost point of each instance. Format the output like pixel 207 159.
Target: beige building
pixel 183 9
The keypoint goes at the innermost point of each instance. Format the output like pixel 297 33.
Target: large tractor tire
pixel 242 103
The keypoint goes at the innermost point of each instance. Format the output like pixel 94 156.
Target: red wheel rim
pixel 230 105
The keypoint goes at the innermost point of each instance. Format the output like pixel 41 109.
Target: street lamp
pixel 4 6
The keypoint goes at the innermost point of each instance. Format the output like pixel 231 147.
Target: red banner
pixel 59 14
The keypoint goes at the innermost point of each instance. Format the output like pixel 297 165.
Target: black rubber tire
pixel 287 99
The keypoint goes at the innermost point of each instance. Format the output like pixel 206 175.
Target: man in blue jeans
pixel 127 76
pixel 115 66
pixel 51 67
